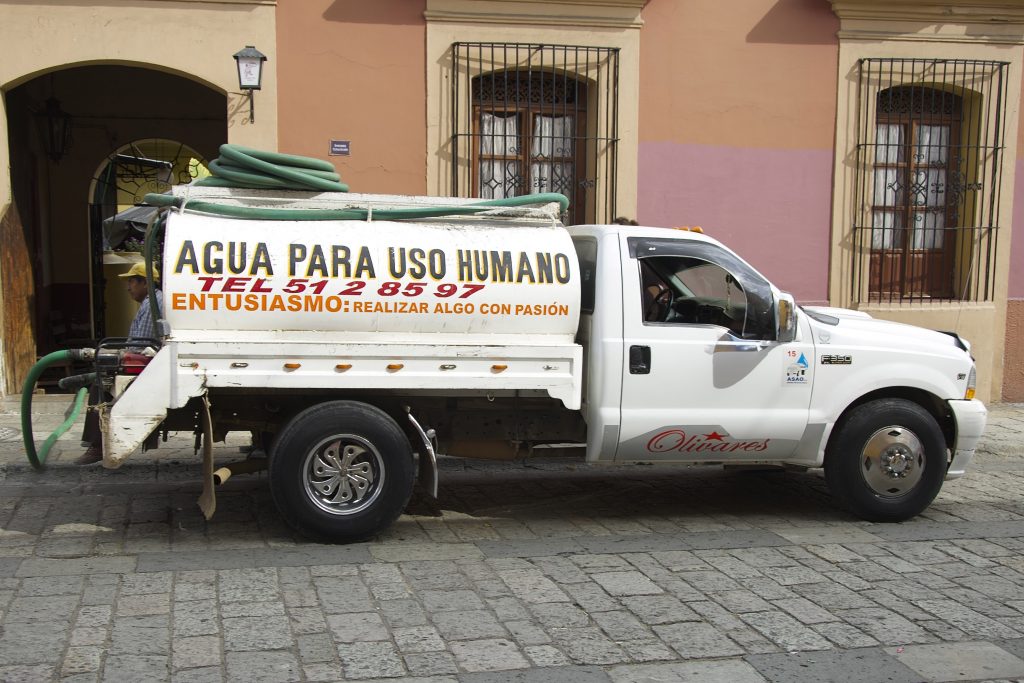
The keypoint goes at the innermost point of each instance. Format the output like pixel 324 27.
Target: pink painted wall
pixel 1016 284
pixel 737 122
pixel 771 206
pixel 1013 357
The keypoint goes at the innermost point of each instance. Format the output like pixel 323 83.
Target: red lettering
pixel 677 440
pixel 208 282
pixel 235 284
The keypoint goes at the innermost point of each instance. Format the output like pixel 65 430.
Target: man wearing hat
pixel 143 326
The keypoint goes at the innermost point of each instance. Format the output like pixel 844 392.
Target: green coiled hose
pixel 243 167
pixel 240 166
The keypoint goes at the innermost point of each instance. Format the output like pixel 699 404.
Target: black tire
pixel 887 460
pixel 341 471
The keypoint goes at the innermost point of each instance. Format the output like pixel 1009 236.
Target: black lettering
pixel 501 266
pixel 237 253
pixel 562 268
pixel 317 263
pixel 296 253
pixel 544 273
pixel 261 261
pixel 437 264
pixel 417 268
pixel 212 264
pixel 525 269
pixel 396 266
pixel 187 257
pixel 465 259
pixel 481 268
pixel 364 265
pixel 339 260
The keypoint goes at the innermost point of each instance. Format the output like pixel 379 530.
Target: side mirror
pixel 785 318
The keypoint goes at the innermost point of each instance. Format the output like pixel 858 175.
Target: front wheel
pixel 342 471
pixel 887 460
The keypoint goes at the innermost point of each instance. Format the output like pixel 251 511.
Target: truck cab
pixel 694 356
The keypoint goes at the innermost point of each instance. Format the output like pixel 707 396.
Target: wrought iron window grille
pixel 530 118
pixel 929 154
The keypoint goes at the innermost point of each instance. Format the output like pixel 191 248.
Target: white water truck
pixel 359 337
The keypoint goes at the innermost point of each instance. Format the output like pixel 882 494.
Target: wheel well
pixel 927 400
pixel 271 411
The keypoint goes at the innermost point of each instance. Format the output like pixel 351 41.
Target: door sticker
pixel 796 368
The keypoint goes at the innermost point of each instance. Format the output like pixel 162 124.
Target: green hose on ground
pixel 243 167
pixel 37 459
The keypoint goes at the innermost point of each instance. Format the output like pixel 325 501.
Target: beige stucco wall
pixel 191 39
pixel 908 30
pixel 595 23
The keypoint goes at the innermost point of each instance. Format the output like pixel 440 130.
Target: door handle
pixel 639 360
pixel 757 346
pixel 733 347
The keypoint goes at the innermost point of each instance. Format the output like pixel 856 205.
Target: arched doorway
pixel 117 219
pixel 52 269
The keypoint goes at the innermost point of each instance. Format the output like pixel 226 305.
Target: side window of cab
pixel 699 283
pixel 690 291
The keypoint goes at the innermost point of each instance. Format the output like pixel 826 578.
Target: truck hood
pixel 833 326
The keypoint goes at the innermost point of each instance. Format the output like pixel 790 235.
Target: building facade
pixel 860 153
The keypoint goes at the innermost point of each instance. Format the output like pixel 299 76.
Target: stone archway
pixel 48 267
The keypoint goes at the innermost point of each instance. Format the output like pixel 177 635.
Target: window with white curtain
pixel 912 208
pixel 930 153
pixel 507 167
pixel 529 135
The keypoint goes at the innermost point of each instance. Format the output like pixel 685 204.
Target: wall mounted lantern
pixel 56 130
pixel 250 72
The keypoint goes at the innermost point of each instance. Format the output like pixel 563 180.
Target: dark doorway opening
pixel 51 238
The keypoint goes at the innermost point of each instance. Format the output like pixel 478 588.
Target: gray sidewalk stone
pixel 968 661
pixel 834 666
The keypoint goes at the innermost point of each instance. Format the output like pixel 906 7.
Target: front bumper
pixel 970 417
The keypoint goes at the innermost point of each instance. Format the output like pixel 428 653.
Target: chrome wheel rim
pixel 892 461
pixel 343 474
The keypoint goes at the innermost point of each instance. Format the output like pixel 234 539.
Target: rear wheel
pixel 342 471
pixel 887 460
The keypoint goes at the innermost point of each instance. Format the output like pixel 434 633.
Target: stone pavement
pixel 532 572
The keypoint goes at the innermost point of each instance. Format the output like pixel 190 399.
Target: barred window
pixel 929 154
pixel 536 118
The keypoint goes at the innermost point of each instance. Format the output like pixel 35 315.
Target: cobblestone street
pixel 519 572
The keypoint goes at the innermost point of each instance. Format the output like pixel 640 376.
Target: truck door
pixel 704 378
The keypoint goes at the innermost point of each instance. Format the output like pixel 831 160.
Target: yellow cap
pixel 139 270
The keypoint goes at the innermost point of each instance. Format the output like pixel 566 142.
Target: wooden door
pixel 18 287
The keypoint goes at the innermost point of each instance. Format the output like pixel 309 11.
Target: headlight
pixel 972 383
